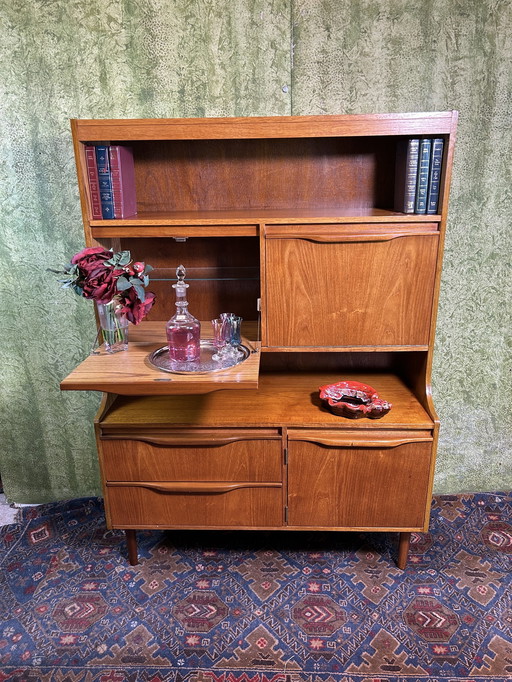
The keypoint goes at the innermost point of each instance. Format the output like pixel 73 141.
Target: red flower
pixel 135 309
pixel 101 284
pixel 91 257
pixel 96 279
pixel 102 275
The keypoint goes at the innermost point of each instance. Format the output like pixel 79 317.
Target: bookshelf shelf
pixel 242 223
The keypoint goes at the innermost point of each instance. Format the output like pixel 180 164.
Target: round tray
pixel 159 359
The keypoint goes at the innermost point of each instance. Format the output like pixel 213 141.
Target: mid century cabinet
pixel 288 222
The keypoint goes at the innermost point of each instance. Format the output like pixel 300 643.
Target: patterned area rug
pixel 257 607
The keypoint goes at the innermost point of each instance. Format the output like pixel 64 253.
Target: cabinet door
pixel 379 480
pixel 328 286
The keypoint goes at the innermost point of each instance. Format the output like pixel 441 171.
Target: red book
pixel 123 181
pixel 94 185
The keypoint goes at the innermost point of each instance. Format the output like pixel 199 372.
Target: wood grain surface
pixel 281 399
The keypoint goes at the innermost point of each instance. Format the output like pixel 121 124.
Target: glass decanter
pixel 183 330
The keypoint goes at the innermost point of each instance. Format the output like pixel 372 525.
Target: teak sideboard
pixel 290 223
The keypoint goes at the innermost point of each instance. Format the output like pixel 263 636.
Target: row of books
pixel 418 175
pixel 111 175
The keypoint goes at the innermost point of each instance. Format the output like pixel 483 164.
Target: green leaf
pixel 139 289
pixel 123 284
pixel 120 259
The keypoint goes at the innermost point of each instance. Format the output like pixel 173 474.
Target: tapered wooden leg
pixel 131 543
pixel 403 549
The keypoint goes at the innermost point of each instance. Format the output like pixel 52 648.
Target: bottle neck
pixel 181 298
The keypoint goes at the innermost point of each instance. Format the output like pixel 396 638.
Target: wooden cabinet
pixel 289 222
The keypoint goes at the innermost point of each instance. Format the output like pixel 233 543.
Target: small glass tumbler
pixel 220 340
pixel 233 334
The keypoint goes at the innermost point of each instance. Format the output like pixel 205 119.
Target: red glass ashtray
pixel 354 400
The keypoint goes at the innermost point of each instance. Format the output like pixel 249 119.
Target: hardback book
pixel 434 180
pixel 122 172
pixel 406 174
pixel 94 186
pixel 423 174
pixel 105 182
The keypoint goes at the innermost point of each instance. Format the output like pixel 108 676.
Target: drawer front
pixel 220 460
pixel 202 506
pixel 355 292
pixel 383 484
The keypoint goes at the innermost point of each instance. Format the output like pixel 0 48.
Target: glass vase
pixel 114 326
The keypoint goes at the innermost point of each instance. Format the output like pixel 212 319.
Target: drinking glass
pixel 219 338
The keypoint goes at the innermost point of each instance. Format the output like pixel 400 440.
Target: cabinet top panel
pixel 349 125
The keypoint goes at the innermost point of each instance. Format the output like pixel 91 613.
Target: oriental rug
pixel 257 607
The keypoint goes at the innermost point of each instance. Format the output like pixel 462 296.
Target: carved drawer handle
pixel 191 487
pixel 183 440
pixel 355 238
pixel 334 442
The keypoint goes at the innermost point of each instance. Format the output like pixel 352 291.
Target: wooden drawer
pixel 221 455
pixel 208 505
pixel 353 480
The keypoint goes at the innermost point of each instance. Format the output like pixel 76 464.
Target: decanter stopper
pixel 180 276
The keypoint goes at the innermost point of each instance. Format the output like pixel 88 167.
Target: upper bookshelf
pixel 237 173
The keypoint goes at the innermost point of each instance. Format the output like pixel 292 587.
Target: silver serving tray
pixel 159 359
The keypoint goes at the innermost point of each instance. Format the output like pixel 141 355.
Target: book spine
pixel 105 182
pixel 94 186
pixel 434 181
pixel 423 172
pixel 123 181
pixel 406 175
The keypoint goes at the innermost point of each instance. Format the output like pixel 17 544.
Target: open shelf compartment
pixel 283 399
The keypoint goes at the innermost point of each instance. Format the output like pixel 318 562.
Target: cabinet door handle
pixel 334 238
pixel 191 487
pixel 353 443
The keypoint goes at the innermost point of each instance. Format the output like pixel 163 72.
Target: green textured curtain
pixel 160 58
